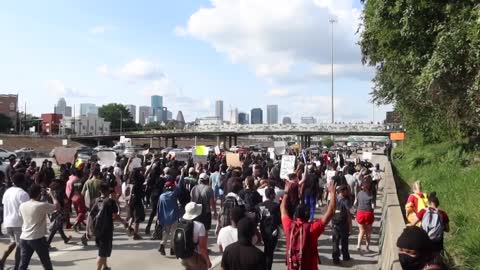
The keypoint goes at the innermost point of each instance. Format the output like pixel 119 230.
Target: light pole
pixel 121 121
pixel 332 21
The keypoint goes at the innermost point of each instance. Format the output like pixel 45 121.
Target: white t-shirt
pixel 227 235
pixel 198 231
pixel 278 193
pixel 329 174
pixel 12 198
pixel 34 214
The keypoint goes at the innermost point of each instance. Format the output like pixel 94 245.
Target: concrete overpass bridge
pixel 230 133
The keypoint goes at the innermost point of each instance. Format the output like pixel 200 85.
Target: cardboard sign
pixel 397 136
pixel 233 160
pixel 288 166
pixel 201 150
pixel 200 159
pixel 272 155
pixel 217 150
pixel 1 142
pixel 135 163
pixel 367 156
pixel 64 142
pixel 106 158
pixel 64 155
pixel 280 147
pixel 182 156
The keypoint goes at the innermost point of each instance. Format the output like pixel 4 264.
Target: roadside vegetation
pixel 453 171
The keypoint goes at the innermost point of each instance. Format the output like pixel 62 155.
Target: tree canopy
pixel 427 60
pixel 5 123
pixel 114 113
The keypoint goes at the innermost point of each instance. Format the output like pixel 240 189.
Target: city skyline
pixel 127 54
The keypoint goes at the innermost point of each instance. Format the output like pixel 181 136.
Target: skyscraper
pixel 88 108
pixel 61 106
pixel 256 116
pixel 144 112
pixel 234 116
pixel 132 109
pixel 272 114
pixel 219 109
pixel 180 117
pixel 68 111
pixel 157 105
pixel 287 120
pixel 243 118
pixel 308 120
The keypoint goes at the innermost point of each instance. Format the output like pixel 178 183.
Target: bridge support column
pixel 166 141
pixel 218 141
pixel 309 141
pixel 173 141
pixel 151 142
pixel 229 141
pixel 235 140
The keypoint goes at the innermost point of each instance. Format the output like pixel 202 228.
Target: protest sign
pixel 201 150
pixel 64 142
pixel 233 160
pixel 280 147
pixel 1 142
pixel 106 158
pixel 64 155
pixel 182 156
pixel 288 166
pixel 217 150
pixel 367 155
pixel 135 163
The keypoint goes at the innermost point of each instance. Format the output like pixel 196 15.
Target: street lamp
pixel 332 21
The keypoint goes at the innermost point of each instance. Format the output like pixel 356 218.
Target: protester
pixel 342 225
pixel 58 217
pixel 415 202
pixel 136 210
pixel 3 188
pixel 155 184
pixel 229 234
pixel 191 238
pixel 270 221
pixel 434 221
pixel 365 217
pixel 301 235
pixel 203 194
pixel 12 199
pixel 91 188
pixel 34 214
pixel 243 255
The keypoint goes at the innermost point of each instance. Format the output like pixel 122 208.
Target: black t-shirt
pixel 251 198
pixel 269 212
pixel 243 256
pixel 311 185
pixel 110 207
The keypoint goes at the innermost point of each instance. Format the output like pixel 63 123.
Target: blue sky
pixel 248 53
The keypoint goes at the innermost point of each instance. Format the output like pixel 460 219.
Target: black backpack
pixel 183 239
pixel 96 221
pixel 229 203
pixel 341 214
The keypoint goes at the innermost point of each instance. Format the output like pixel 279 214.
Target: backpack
pixel 183 239
pixel 229 203
pixel 341 214
pixel 96 219
pixel 432 223
pixel 249 199
pixel 298 239
pixel 267 222
pixel 422 203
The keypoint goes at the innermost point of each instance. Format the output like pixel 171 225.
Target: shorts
pixel 196 262
pixel 104 247
pixel 137 212
pixel 14 234
pixel 365 217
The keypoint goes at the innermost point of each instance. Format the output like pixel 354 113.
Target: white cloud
pixel 57 88
pixel 278 92
pixel 163 87
pixel 136 69
pixel 275 37
pixel 98 29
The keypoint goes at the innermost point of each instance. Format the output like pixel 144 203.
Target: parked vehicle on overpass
pixel 5 154
pixel 25 152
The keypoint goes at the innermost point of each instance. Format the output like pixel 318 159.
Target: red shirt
pixel 413 200
pixel 442 213
pixel 310 257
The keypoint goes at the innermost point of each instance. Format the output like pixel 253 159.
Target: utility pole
pixel 332 21
pixel 121 121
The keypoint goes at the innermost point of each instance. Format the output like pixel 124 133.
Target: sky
pixel 249 53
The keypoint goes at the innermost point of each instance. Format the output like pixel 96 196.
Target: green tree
pixel 427 60
pixel 5 123
pixel 115 113
pixel 327 141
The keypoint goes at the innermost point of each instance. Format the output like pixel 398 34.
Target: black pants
pixel 340 237
pixel 153 213
pixel 40 246
pixel 57 227
pixel 270 243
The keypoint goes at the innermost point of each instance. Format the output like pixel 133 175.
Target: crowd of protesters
pixel 252 205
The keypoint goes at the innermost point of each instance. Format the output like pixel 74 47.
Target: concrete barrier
pixel 392 225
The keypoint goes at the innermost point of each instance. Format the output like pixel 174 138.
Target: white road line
pixel 65 250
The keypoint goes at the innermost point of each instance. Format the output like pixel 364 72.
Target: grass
pixel 451 170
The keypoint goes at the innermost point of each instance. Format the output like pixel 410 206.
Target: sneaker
pixel 2 265
pixel 162 250
pixel 172 252
pixel 137 237
pixel 147 231
pixel 84 240
pixel 52 248
pixel 346 259
pixel 336 261
pixel 69 238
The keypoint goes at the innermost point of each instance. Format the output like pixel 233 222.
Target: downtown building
pixel 308 120
pixel 9 108
pixel 144 112
pixel 89 124
pixel 219 109
pixel 88 108
pixel 62 108
pixel 132 109
pixel 256 116
pixel 272 114
pixel 243 118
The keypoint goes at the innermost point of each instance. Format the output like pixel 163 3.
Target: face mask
pixel 409 262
